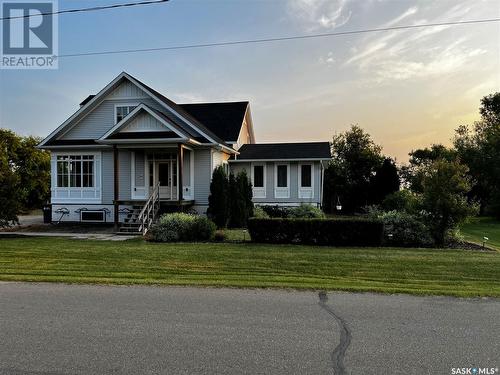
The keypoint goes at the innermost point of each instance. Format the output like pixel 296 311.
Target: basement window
pixel 92 216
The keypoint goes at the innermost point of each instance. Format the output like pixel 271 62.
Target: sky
pixel 408 89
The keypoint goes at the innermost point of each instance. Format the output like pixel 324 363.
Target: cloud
pixel 415 53
pixel 329 59
pixel 320 14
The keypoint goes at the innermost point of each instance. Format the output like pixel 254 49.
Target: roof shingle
pixel 283 151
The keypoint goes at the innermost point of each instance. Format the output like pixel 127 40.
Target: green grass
pixel 480 227
pixel 415 271
pixel 236 235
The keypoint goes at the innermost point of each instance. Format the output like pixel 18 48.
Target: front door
pixel 166 172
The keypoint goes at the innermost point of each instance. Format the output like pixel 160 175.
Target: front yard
pixel 390 270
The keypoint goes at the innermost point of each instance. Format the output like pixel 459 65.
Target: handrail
pixel 148 213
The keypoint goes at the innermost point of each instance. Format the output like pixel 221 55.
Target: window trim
pixel 69 174
pixel 64 195
pixel 305 192
pixel 126 104
pixel 284 192
pixel 259 192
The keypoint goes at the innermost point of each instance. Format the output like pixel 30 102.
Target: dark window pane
pixel 163 174
pixel 258 176
pixel 282 176
pixel 305 172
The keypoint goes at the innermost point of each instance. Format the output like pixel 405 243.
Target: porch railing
pixel 148 213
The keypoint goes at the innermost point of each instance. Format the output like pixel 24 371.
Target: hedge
pixel 331 232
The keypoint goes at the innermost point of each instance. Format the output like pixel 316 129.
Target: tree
pixel 479 148
pixel 9 191
pixel 444 202
pixel 385 181
pixel 355 159
pixel 240 200
pixel 218 198
pixel 31 167
pixel 420 158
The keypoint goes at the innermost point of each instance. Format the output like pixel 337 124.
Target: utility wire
pixel 279 39
pixel 92 9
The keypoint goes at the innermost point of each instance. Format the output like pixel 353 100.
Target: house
pixel 129 150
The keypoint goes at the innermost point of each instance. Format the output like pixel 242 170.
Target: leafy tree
pixel 218 198
pixel 385 181
pixel 30 166
pixel 355 159
pixel 478 147
pixel 9 191
pixel 444 188
pixel 420 158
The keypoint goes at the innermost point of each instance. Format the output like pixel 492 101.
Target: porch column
pixel 116 185
pixel 180 152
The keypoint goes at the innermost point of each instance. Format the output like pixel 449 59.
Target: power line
pixel 92 9
pixel 279 39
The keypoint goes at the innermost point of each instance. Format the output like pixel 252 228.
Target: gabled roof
pixel 223 119
pixel 176 114
pixel 171 128
pixel 284 151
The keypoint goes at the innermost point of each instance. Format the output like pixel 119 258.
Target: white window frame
pixel 129 104
pixel 259 192
pixel 305 192
pixel 282 192
pixel 61 194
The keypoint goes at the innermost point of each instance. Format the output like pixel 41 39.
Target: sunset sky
pixel 407 88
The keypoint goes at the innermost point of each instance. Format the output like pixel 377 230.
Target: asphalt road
pixel 68 329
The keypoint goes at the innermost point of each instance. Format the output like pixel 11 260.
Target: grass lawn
pixel 416 271
pixel 480 227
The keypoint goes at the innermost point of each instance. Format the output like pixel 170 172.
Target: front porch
pixel 162 176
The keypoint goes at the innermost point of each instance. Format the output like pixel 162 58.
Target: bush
pixel 332 232
pixel 276 211
pixel 403 229
pixel 403 200
pixel 259 213
pixel 182 227
pixel 219 236
pixel 218 209
pixel 306 211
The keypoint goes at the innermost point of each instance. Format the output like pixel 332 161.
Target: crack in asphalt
pixel 338 353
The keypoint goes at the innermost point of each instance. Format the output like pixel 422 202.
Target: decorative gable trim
pixel 132 115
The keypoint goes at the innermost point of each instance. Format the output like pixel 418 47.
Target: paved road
pixel 61 329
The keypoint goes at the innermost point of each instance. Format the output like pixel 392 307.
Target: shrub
pixel 306 211
pixel 217 201
pixel 219 236
pixel 182 227
pixel 276 211
pixel 333 232
pixel 403 229
pixel 259 213
pixel 403 200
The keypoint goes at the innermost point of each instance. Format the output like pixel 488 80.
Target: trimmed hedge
pixel 331 232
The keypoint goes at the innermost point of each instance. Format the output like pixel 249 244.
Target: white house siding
pixel 107 177
pixel 294 199
pixel 202 178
